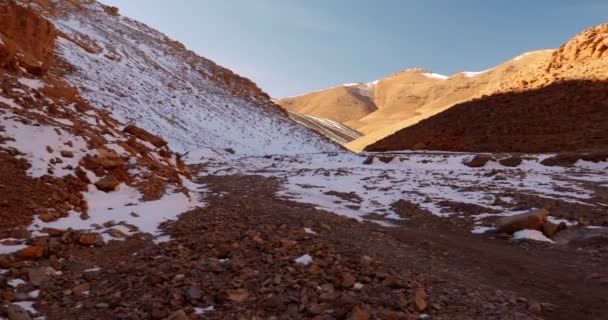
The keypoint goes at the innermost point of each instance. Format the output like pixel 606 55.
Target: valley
pixel 143 181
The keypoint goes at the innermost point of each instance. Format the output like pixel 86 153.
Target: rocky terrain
pixel 141 181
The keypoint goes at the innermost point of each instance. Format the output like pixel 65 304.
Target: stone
pixel 359 314
pixel 67 154
pixel 88 239
pixel 37 276
pixel 419 300
pixel 16 312
pixel 32 252
pixel 109 159
pixel 194 294
pixel 348 280
pixel 549 228
pixel 238 295
pixel 512 161
pixel 178 315
pixel 531 220
pixel 478 161
pixel 107 183
pixel 81 289
pixel 145 135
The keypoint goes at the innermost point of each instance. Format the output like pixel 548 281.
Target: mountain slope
pixel 333 130
pixel 406 97
pixel 140 75
pixel 560 105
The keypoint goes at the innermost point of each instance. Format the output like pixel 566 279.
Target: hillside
pixel 140 75
pixel 406 97
pixel 560 105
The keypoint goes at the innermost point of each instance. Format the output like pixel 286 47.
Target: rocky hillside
pixel 66 161
pixel 560 105
pixel 138 74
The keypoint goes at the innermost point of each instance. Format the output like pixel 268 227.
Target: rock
pixel 348 280
pixel 549 228
pixel 238 295
pixel 535 307
pixel 531 220
pixel 16 312
pixel 478 161
pixel 115 233
pixel 67 154
pixel 89 239
pixel 145 136
pixel 419 301
pixel 107 183
pixel 512 161
pixel 81 289
pixel 32 252
pixel 178 315
pixel 193 294
pixel 359 314
pixel 37 275
pixel 109 160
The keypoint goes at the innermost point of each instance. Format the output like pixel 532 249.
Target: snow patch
pixel 305 260
pixel 531 235
pixel 435 75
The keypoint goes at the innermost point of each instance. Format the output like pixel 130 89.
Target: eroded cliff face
pixel 26 40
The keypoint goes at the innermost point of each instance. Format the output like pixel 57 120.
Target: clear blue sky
pixel 289 47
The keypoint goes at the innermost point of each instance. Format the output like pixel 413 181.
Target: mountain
pixel 380 108
pixel 140 75
pixel 559 105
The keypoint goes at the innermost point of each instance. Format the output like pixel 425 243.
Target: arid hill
pixel 405 98
pixel 560 105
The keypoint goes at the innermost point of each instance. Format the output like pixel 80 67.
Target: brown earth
pixel 563 116
pixel 237 255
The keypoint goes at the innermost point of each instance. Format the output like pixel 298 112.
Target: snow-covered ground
pixel 342 183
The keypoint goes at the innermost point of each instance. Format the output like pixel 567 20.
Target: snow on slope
pixel 140 75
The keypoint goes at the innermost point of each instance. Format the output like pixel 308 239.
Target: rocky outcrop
pixel 590 45
pixel 26 39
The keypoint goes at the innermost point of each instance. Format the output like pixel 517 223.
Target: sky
pixel 290 47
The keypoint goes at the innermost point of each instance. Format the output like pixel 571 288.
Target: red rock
pixel 531 220
pixel 107 183
pixel 145 135
pixel 419 301
pixel 32 252
pixel 67 154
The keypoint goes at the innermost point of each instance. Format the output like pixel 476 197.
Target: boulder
pixel 16 312
pixel 549 228
pixel 107 183
pixel 478 161
pixel 145 136
pixel 32 252
pixel 109 159
pixel 531 220
pixel 512 161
